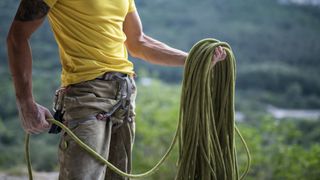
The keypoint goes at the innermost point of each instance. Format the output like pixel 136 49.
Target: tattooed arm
pixel 30 15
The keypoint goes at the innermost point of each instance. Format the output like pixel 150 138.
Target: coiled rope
pixel 206 127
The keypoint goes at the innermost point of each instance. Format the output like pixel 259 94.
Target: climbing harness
pixel 206 128
pixel 58 109
pixel 125 91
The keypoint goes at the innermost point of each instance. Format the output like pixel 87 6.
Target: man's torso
pixel 90 37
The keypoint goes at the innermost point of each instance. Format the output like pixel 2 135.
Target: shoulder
pixel 31 10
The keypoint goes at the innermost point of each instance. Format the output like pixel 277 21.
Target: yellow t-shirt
pixel 90 37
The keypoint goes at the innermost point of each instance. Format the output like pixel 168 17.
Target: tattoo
pixel 31 10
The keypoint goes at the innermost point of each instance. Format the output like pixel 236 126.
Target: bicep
pixel 132 27
pixel 28 18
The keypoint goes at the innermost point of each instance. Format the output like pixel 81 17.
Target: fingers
pixel 45 114
pixel 216 56
pixel 31 129
pixel 34 119
pixel 48 115
pixel 35 127
pixel 27 117
pixel 219 54
pixel 224 53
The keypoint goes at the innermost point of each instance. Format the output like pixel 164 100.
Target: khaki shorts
pixel 112 138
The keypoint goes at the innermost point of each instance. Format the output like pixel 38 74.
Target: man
pixel 97 77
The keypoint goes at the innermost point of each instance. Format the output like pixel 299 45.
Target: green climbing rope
pixel 206 127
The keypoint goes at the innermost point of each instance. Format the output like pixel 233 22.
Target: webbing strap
pixel 125 90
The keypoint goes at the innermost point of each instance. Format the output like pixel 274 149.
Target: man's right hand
pixel 33 117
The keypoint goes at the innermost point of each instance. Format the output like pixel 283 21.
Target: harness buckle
pixel 58 109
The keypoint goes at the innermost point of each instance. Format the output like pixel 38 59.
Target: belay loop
pixel 206 127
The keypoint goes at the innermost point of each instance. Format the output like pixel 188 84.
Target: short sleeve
pixel 132 6
pixel 50 3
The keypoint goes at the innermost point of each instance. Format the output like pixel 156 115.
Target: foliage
pixel 157 119
pixel 277 152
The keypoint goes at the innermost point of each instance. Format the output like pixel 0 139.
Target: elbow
pixel 133 52
pixel 10 39
pixel 16 38
pixel 15 46
pixel 135 47
pixel 12 44
pixel 13 41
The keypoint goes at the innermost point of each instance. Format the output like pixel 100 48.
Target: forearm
pixel 157 52
pixel 29 17
pixel 20 63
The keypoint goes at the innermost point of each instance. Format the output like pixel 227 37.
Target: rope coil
pixel 207 126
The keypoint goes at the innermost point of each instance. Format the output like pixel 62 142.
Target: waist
pixel 112 76
pixel 68 78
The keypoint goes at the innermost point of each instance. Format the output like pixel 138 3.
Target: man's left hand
pixel 219 55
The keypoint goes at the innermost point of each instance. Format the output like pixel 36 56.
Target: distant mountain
pixel 301 2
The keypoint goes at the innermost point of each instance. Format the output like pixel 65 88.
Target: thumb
pixel 47 115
